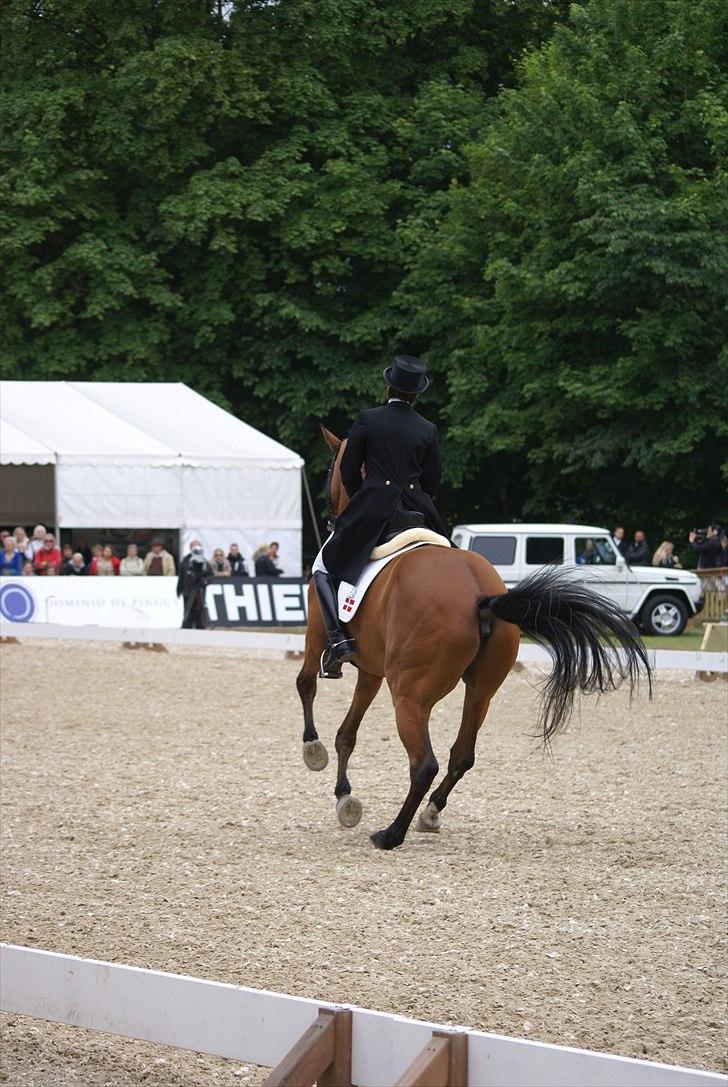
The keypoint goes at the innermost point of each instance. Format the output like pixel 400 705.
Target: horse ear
pixel 331 440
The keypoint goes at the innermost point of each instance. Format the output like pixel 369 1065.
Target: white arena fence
pixel 685 660
pixel 260 1027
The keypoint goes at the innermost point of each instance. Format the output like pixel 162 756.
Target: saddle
pixel 402 520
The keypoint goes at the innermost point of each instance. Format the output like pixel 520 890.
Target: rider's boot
pixel 339 646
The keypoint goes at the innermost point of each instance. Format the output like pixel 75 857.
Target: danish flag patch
pixel 348 603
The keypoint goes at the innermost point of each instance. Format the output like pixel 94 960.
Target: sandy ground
pixel 156 811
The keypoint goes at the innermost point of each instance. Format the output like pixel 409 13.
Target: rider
pixel 390 469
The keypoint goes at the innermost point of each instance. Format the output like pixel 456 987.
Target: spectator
pixel 158 562
pixel 3 536
pixel 589 556
pixel 23 543
pixel 664 556
pixel 66 553
pixel 28 569
pixel 708 547
pixel 36 540
pixel 265 564
pixel 220 565
pixel 75 567
pixel 237 562
pixel 11 560
pixel 132 565
pixel 619 541
pixel 638 552
pixel 47 555
pixel 193 570
pixel 95 556
pixel 106 564
pixel 52 571
pixel 85 550
pixel 723 553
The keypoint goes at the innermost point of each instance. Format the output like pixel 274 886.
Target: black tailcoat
pixel 401 458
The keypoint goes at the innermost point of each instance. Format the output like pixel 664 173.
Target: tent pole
pixel 311 509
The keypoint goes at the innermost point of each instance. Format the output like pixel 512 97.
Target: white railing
pixel 260 1027
pixel 688 660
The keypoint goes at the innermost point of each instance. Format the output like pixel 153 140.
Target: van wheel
pixel 664 615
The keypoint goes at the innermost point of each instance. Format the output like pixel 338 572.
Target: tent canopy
pixel 151 454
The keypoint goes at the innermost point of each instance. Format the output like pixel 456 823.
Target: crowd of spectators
pixel 710 545
pixel 39 555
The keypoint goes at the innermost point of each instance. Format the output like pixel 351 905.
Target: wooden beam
pixel 442 1063
pixel 322 1055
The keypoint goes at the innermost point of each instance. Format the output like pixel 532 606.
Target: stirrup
pixel 331 668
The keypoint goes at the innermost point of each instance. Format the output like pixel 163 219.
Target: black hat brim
pixel 424 382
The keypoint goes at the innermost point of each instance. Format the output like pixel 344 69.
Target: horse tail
pixel 581 631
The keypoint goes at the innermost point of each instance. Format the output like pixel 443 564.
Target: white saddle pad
pixel 351 596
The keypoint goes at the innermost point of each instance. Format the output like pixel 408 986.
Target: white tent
pixel 138 455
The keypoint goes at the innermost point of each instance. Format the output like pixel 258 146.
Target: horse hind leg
pixel 482 679
pixel 315 755
pixel 412 725
pixel 348 808
pixel 462 759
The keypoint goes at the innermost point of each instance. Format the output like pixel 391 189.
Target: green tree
pixel 579 286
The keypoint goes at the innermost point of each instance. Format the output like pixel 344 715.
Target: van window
pixel 457 539
pixel 594 551
pixel 544 550
pixel 500 550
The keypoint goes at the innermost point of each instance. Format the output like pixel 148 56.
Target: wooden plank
pixel 311 1055
pixel 260 1027
pixel 431 1067
pixel 338 1074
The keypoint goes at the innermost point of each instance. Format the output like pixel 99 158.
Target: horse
pixel 436 615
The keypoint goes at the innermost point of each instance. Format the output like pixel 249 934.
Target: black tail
pixel 581 630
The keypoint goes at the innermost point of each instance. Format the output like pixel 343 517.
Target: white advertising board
pixel 150 601
pixel 99 601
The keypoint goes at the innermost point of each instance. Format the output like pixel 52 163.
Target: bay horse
pixel 436 615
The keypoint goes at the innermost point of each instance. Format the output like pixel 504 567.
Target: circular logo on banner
pixel 17 603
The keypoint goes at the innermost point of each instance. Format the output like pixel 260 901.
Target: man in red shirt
pixel 48 555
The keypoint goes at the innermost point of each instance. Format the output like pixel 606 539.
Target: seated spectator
pixel 106 565
pixel 3 536
pixel 36 540
pixel 237 562
pixel 589 555
pixel 220 565
pixel 52 571
pixel 23 543
pixel 158 562
pixel 75 567
pixel 66 553
pixel 638 552
pixel 132 565
pixel 664 556
pixel 708 547
pixel 265 565
pixel 28 569
pixel 48 555
pixel 11 560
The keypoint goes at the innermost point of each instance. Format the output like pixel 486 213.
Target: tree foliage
pixel 269 206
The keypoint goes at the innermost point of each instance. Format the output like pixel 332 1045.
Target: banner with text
pixel 151 602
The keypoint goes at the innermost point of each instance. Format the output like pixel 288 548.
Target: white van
pixel 660 600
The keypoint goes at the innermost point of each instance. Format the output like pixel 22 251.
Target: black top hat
pixel 407 375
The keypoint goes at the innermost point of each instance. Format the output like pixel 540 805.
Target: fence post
pixel 322 1055
pixel 442 1063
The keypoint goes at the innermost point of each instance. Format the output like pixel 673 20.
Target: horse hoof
pixel 430 820
pixel 348 810
pixel 315 755
pixel 384 840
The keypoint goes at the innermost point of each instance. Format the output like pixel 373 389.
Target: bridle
pixel 331 516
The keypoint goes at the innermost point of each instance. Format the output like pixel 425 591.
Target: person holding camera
pixel 193 570
pixel 707 543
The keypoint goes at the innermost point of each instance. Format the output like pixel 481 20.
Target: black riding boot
pixel 339 647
